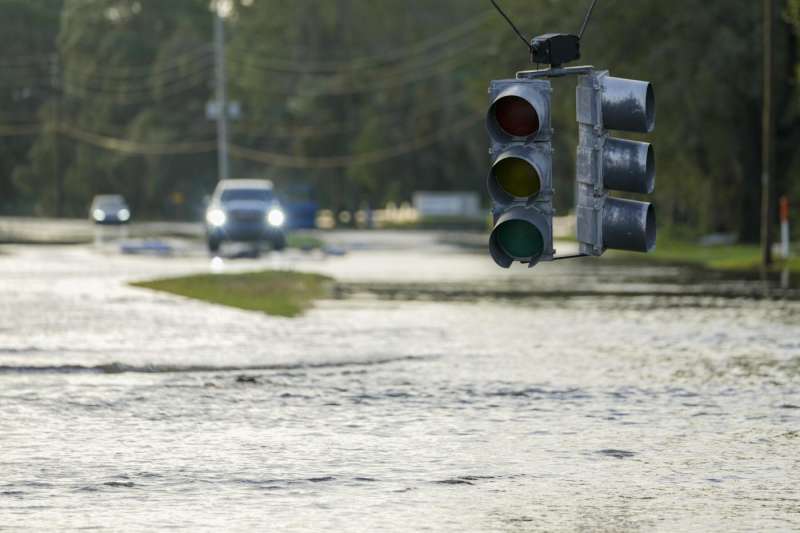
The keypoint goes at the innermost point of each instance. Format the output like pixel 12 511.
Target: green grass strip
pixel 734 257
pixel 275 292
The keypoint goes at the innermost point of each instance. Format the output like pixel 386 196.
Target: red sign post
pixel 783 210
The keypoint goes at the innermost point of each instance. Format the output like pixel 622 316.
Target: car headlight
pixel 275 217
pixel 99 215
pixel 123 214
pixel 216 217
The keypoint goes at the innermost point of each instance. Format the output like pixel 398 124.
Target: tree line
pixel 365 102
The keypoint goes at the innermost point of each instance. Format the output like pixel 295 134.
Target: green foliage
pixel 280 293
pixel 27 41
pixel 737 257
pixel 391 96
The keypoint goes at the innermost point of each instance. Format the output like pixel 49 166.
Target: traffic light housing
pixel 520 181
pixel 604 162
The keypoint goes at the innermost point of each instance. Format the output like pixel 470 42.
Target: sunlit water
pixel 125 409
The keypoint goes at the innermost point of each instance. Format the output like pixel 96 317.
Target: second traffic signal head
pixel 605 162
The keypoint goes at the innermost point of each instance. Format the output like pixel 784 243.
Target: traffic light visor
pixel 520 239
pixel 629 225
pixel 628 105
pixel 516 116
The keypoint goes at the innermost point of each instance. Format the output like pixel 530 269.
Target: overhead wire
pixel 110 70
pixel 387 117
pixel 370 157
pixel 398 75
pixel 586 19
pixel 401 69
pixel 387 70
pixel 139 84
pixel 437 65
pixel 147 85
pixel 275 64
pixel 352 87
pixel 136 147
pixel 15 130
pixel 373 61
pixel 513 26
pixel 134 97
pixel 176 61
pixel 132 84
pixel 276 159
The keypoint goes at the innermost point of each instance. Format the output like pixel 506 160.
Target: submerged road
pixel 611 397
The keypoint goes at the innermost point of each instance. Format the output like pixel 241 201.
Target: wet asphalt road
pixel 609 398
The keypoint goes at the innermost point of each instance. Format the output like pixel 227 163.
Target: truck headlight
pixel 275 217
pixel 123 214
pixel 216 217
pixel 99 215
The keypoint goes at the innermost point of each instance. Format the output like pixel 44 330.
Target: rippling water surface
pixel 127 409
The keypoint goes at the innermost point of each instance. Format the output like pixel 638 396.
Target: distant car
pixel 109 209
pixel 245 211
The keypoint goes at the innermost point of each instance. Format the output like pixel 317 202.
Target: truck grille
pixel 246 216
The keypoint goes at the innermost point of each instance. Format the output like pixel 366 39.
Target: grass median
pixel 274 292
pixel 733 257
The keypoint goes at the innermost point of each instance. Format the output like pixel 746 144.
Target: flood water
pixel 126 409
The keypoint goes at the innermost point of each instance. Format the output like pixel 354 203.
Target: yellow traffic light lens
pixel 516 116
pixel 520 239
pixel 517 177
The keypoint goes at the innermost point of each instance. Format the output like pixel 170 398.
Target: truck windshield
pixel 262 195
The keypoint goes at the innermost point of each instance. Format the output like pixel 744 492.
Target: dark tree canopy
pixel 369 101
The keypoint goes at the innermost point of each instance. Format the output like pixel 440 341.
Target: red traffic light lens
pixel 516 116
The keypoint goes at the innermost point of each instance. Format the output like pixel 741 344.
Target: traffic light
pixel 520 181
pixel 605 162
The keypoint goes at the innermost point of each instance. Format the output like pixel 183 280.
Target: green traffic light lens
pixel 516 116
pixel 520 239
pixel 517 177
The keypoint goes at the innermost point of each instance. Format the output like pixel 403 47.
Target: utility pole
pixel 221 95
pixel 767 149
pixel 55 129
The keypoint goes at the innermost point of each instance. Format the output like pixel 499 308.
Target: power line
pixel 204 52
pixel 98 79
pixel 368 62
pixel 135 147
pixel 111 70
pixel 107 142
pixel 389 117
pixel 400 69
pixel 103 88
pixel 15 130
pixel 276 159
pixel 146 85
pixel 174 70
pixel 134 97
pixel 201 53
pixel 122 96
pixel 351 87
pixel 371 157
